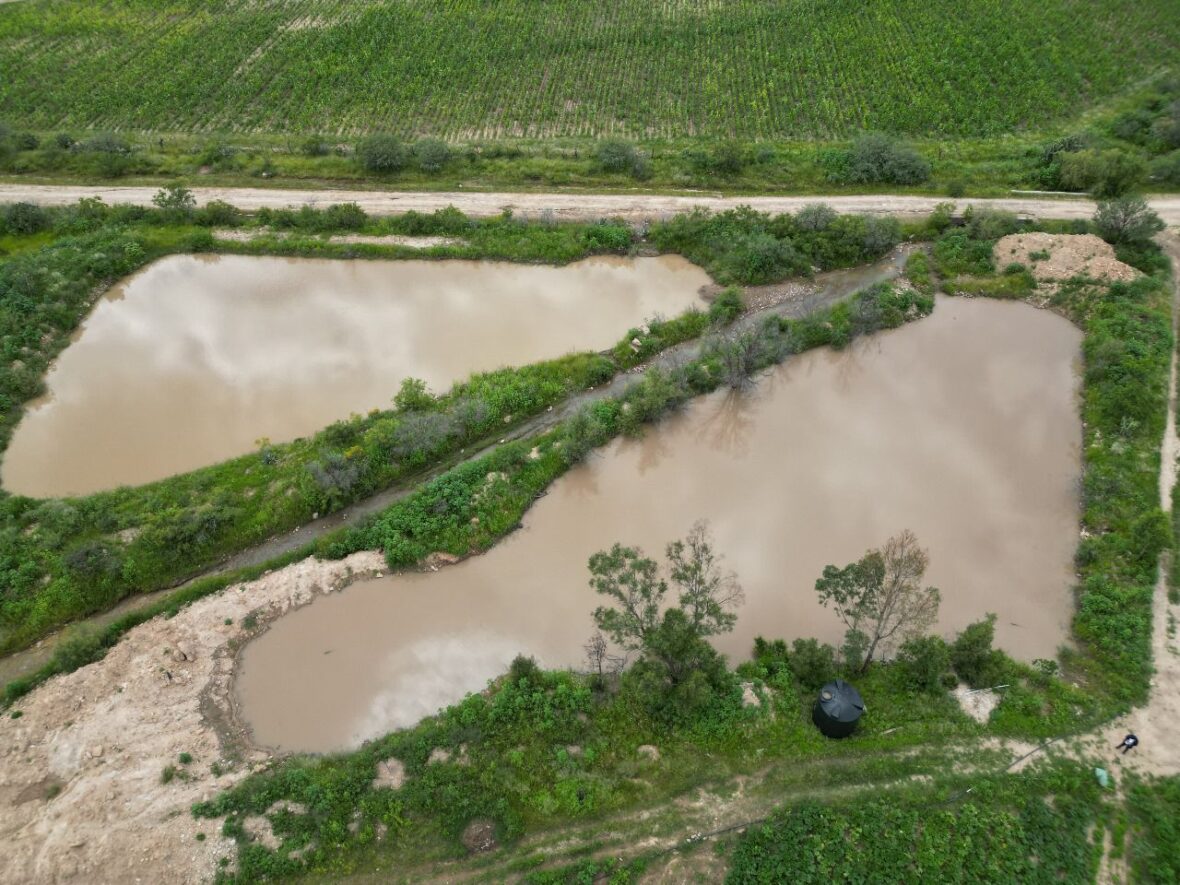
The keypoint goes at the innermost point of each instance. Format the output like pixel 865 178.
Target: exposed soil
pixel 1056 257
pixel 82 771
pixel 559 206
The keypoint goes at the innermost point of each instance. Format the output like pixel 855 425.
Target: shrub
pixel 175 200
pixel 879 158
pixel 1106 173
pixel 26 141
pixel 1126 220
pixel 218 213
pixel 314 146
pixel 23 218
pixel 815 217
pixel 922 661
pixel 1166 169
pixel 335 475
pixel 616 156
pixel 812 663
pixel 413 396
pixel 432 154
pixel 972 655
pixel 382 153
pixel 344 216
pixel 726 307
pixel 523 667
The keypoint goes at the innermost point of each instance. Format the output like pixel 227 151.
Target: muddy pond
pixel 963 427
pixel 195 358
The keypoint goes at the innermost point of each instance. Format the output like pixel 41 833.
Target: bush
pixel 314 146
pixel 344 216
pixel 879 159
pixel 922 662
pixel 23 218
pixel 1104 173
pixel 382 153
pixel 413 396
pixel 616 156
pixel 175 200
pixel 1126 220
pixel 815 217
pixel 218 213
pixel 1166 169
pixel 726 307
pixel 972 655
pixel 433 154
pixel 64 140
pixel 812 663
pixel 26 141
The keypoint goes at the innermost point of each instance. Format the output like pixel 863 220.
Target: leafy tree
pixel 175 200
pixel 881 594
pixel 677 669
pixel 382 153
pixel 1126 220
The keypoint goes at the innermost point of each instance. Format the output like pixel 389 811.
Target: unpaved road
pixel 560 206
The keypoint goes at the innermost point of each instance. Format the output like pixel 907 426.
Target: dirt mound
pixel 1054 257
pixel 98 774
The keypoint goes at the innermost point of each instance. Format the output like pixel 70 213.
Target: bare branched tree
pixel 881 596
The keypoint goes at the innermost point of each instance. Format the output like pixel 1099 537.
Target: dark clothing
pixel 1129 742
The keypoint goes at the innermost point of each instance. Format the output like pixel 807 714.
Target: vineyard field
pixel 472 69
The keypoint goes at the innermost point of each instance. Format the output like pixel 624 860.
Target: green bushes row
pixel 751 248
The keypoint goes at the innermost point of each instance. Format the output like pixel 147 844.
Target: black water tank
pixel 837 709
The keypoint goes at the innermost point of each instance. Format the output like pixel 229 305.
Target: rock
pixel 645 329
pixel 749 696
pixel 184 652
pixel 649 751
pixel 96 751
pixel 574 750
pixel 260 830
pixel 480 836
pixel 391 774
pixel 636 344
pixel 440 558
pixel 288 806
pixel 438 755
pixel 534 454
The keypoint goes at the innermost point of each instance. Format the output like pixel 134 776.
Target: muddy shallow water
pixel 195 358
pixel 963 427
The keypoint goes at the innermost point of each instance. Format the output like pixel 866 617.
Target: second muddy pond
pixel 195 358
pixel 963 427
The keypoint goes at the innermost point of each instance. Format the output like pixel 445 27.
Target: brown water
pixel 195 358
pixel 962 427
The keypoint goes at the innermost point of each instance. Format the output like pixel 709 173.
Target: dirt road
pixel 561 206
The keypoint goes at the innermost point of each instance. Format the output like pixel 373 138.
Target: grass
pixel 735 68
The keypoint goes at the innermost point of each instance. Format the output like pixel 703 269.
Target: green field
pixel 468 70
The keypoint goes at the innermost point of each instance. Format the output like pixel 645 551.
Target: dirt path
pixel 561 206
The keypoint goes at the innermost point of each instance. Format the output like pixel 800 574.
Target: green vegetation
pixel 1155 829
pixel 738 68
pixel 1005 832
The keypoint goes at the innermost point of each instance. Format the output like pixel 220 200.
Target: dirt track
pixel 561 206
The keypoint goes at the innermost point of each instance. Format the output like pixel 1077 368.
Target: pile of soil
pixel 1068 256
pixel 83 792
